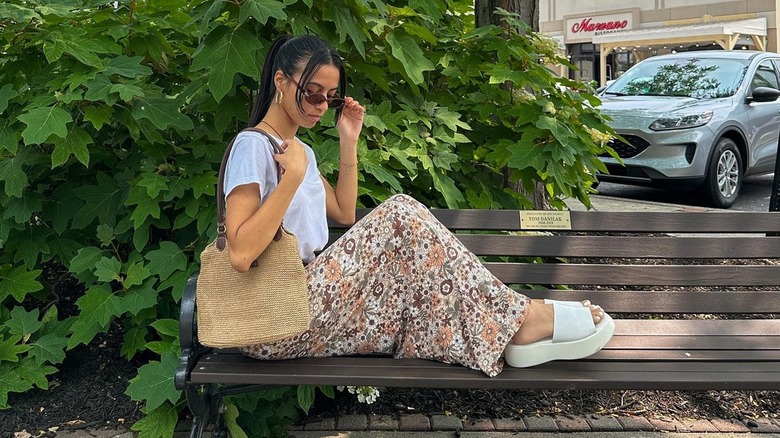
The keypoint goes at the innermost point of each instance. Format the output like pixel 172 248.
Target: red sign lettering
pixel 586 26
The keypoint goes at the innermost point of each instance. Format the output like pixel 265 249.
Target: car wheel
pixel 724 175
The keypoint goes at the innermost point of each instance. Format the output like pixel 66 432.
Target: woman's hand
pixel 293 161
pixel 351 121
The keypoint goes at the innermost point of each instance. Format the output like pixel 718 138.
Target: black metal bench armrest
pixel 188 337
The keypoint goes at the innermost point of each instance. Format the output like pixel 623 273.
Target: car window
pixel 702 78
pixel 765 76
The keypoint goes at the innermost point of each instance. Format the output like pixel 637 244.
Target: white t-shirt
pixel 251 161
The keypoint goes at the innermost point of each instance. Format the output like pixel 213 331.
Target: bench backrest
pixel 705 262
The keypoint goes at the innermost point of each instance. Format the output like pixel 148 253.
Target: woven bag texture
pixel 266 303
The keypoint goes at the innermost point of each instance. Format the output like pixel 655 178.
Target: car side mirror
pixel 764 94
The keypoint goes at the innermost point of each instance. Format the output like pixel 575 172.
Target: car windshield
pixel 701 78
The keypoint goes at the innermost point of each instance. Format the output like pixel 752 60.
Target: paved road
pixel 754 195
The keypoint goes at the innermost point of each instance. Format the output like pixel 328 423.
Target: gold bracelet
pixel 347 165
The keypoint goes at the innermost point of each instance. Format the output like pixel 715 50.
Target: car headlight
pixel 682 121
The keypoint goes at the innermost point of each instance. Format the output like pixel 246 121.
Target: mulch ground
pixel 87 391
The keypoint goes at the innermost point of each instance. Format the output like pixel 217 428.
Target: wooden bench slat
pixel 622 246
pixel 638 275
pixel 631 221
pixel 696 343
pixel 682 327
pixel 687 355
pixel 685 301
pixel 582 374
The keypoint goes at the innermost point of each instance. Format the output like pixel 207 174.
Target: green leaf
pixel 204 184
pixel 77 44
pixel 13 175
pixel 98 308
pixel 231 415
pixel 34 372
pixel 305 397
pixel 347 24
pixel 225 53
pixel 154 382
pixel 143 211
pixel 383 176
pixel 262 10
pixel 18 14
pixel 167 259
pixel 49 348
pixel 411 57
pixel 44 122
pixel 177 281
pixel 103 200
pixel 85 260
pixel 135 341
pixel 327 390
pixel 23 323
pixel 127 92
pixel 154 183
pixel 21 209
pixel 136 274
pixel 140 298
pixel 105 234
pixel 129 67
pixel 7 93
pixel 52 8
pixel 10 381
pixel 167 327
pixel 18 283
pixel 98 88
pixel 162 113
pixel 10 350
pixel 9 140
pixel 108 269
pixel 446 186
pixel 158 422
pixel 98 115
pixel 75 144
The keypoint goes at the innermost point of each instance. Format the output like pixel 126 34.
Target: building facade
pixel 604 38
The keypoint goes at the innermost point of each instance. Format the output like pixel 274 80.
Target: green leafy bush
pixel 115 116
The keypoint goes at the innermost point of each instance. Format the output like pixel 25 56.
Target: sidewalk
pixel 611 203
pixel 590 426
pixel 514 434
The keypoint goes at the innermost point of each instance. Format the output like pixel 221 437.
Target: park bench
pixel 695 296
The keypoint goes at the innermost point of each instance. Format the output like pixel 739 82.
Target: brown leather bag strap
pixel 221 230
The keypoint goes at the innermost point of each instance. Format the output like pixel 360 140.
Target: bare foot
pixel 538 322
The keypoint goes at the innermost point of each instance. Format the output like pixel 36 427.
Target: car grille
pixel 636 146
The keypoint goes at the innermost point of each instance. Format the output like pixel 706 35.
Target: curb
pixel 428 425
pixel 565 424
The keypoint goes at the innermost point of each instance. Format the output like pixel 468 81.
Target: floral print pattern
pixel 398 282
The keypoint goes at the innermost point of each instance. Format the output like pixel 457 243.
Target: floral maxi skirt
pixel 399 283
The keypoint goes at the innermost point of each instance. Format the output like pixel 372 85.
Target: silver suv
pixel 703 119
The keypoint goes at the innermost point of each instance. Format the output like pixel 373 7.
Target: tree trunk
pixel 528 10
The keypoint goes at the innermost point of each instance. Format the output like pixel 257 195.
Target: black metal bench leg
pixel 198 427
pixel 200 407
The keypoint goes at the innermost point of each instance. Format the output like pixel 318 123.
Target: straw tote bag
pixel 266 303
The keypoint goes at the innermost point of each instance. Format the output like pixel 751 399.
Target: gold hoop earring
pixel 279 96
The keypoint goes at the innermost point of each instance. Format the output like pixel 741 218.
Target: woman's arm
pixel 342 200
pixel 250 224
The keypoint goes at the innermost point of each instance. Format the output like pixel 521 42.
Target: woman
pixel 398 282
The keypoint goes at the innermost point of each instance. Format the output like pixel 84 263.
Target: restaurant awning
pixel 724 33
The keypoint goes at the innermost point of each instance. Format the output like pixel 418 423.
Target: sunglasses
pixel 318 98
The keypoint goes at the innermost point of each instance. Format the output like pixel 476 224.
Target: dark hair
pixel 288 54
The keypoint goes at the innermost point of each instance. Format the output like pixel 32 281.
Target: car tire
pixel 724 175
